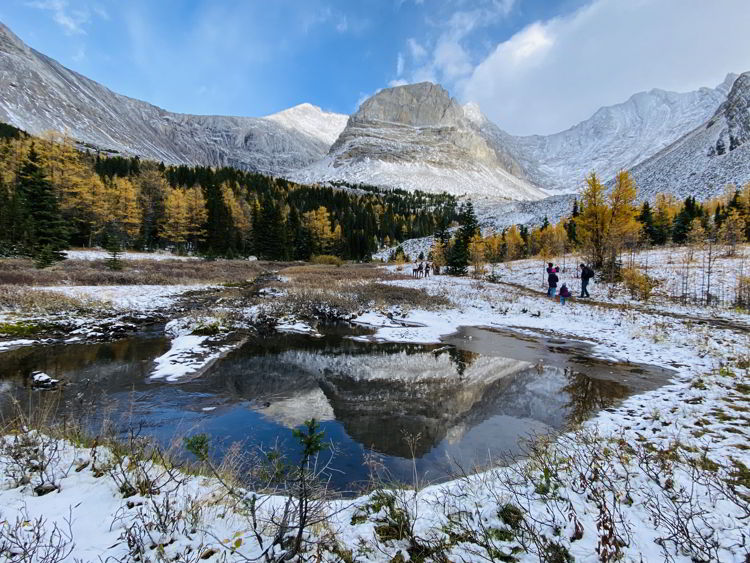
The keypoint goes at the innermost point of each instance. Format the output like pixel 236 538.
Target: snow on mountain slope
pixel 312 121
pixel 707 159
pixel 38 94
pixel 418 137
pixel 615 138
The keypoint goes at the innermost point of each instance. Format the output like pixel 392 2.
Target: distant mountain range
pixel 412 137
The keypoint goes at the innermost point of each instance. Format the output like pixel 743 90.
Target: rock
pixel 40 380
pixel 44 488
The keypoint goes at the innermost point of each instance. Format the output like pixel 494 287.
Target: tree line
pixel 53 196
pixel 603 223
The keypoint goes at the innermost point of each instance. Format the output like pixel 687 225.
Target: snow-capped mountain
pixel 615 138
pixel 704 161
pixel 38 94
pixel 418 137
pixel 412 137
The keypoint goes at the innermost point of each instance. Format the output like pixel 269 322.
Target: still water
pixel 461 403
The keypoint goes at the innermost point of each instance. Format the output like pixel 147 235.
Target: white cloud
pixel 400 64
pixel 72 21
pixel 416 50
pixel 445 57
pixel 393 84
pixel 553 74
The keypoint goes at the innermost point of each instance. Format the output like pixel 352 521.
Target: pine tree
pixel 152 190
pixel 45 228
pixel 441 230
pixel 458 257
pixel 646 219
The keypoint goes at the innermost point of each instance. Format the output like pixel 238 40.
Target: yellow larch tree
pixel 732 231
pixel 119 213
pixel 437 255
pixel 476 254
pixel 592 221
pixel 176 228
pixel 318 224
pixel 197 215
pixel 493 248
pixel 239 210
pixel 513 243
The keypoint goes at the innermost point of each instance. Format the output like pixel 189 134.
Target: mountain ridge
pixel 413 137
pixel 43 94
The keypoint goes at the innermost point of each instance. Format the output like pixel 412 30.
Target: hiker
pixel 552 279
pixel 564 293
pixel 586 274
pixel 427 270
pixel 420 270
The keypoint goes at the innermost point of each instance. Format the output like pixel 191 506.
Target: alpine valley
pixel 411 137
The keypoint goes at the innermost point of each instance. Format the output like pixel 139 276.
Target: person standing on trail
pixel 586 274
pixel 552 279
pixel 564 293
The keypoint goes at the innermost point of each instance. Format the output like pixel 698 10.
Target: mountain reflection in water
pixel 463 403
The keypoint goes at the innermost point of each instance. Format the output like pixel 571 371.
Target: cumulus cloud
pixel 555 73
pixel 445 57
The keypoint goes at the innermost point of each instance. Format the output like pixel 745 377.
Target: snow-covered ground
pixel 97 254
pixel 636 470
pixel 126 297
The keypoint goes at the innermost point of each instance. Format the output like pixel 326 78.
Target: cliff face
pixel 418 137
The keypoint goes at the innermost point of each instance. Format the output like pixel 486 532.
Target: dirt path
pixel 697 319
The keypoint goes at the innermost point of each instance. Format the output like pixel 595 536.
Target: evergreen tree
pixel 270 237
pixel 441 230
pixel 458 257
pixel 45 226
pixel 646 218
pixel 684 219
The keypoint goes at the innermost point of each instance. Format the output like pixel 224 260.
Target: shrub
pixel 639 285
pixel 326 259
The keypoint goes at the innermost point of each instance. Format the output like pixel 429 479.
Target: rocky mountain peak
pixel 735 115
pixel 9 41
pixel 418 105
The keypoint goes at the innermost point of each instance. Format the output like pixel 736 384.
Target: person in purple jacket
pixel 564 293
pixel 552 279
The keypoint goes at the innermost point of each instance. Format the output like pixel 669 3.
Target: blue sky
pixel 533 65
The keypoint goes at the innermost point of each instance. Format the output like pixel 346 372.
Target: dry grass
pixel 17 271
pixel 323 291
pixel 25 300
